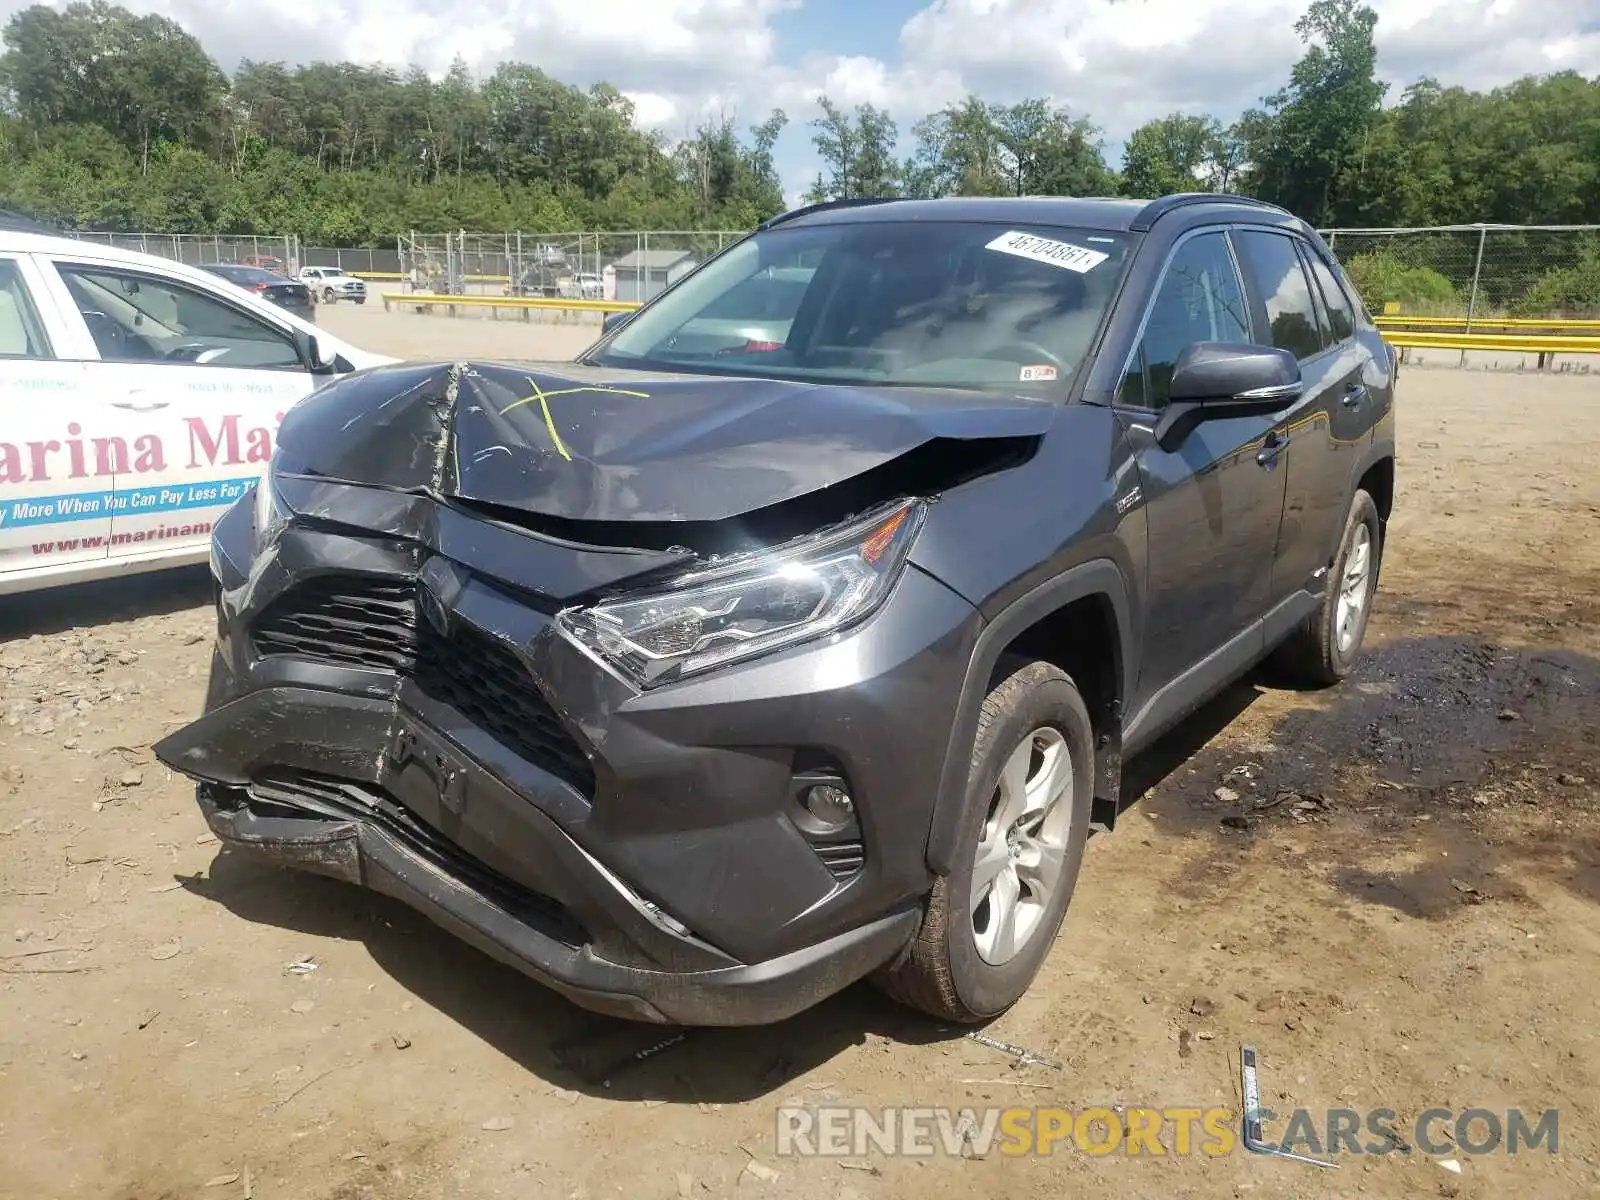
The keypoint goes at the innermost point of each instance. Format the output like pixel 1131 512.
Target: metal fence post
pixel 1477 271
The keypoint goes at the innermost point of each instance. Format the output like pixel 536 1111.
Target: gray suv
pixel 707 674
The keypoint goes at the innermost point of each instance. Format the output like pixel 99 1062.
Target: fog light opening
pixel 831 805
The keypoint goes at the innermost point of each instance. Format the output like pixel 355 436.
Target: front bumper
pixel 658 873
pixel 351 834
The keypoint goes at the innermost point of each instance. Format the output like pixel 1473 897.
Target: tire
pixel 953 970
pixel 329 295
pixel 361 299
pixel 1316 652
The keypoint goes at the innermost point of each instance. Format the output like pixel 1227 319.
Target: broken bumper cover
pixel 636 852
pixel 363 852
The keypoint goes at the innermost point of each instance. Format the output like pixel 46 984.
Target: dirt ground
pixel 1390 888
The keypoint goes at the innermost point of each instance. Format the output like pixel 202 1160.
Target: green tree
pixel 857 151
pixel 1177 153
pixel 1300 145
pixel 1029 148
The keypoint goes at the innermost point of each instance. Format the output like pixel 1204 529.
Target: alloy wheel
pixel 1021 852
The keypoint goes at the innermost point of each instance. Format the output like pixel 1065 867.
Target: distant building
pixel 642 274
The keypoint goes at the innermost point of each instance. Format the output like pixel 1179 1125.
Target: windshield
pixel 935 303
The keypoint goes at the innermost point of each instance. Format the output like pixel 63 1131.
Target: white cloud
pixel 644 45
pixel 1126 61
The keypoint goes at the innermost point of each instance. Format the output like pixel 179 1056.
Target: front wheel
pixel 990 923
pixel 1324 647
pixel 329 295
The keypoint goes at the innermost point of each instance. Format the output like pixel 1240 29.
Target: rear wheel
pixel 1324 647
pixel 990 923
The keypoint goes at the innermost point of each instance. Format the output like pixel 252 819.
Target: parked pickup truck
pixel 330 284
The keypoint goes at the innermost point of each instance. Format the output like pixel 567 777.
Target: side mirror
pixel 1218 379
pixel 614 321
pixel 305 345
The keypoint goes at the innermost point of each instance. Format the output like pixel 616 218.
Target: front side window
pixel 142 318
pixel 936 304
pixel 1198 300
pixel 21 332
pixel 1280 280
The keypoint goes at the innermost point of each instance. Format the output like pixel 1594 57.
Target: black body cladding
pixel 396 699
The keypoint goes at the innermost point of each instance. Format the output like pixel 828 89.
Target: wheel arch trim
pixel 1098 578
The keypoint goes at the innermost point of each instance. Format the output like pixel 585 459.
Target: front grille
pixel 481 679
pixel 344 619
pixel 369 622
pixel 299 790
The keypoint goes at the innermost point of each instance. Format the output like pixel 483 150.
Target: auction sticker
pixel 1047 250
pixel 1038 374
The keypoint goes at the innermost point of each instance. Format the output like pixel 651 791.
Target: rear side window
pixel 1198 300
pixel 21 332
pixel 1274 267
pixel 1340 315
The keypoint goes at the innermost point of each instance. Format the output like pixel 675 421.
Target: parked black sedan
pixel 283 292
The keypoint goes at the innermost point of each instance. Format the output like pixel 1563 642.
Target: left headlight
pixel 752 604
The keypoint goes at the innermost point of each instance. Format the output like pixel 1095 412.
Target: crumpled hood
pixel 584 443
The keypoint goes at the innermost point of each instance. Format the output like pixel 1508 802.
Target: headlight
pixel 753 604
pixel 272 514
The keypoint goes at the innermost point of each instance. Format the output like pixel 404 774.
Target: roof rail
pixel 824 206
pixel 17 223
pixel 1156 209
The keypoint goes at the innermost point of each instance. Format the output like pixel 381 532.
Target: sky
pixel 1120 62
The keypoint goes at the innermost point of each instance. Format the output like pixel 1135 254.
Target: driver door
pixel 1213 503
pixel 197 386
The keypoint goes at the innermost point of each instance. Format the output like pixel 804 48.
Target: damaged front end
pixel 565 661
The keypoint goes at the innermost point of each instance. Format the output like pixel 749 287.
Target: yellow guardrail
pixel 525 303
pixel 1573 323
pixel 1523 343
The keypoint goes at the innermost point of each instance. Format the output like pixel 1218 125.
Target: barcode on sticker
pixel 1048 250
pixel 1038 374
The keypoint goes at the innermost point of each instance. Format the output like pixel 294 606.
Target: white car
pixel 139 397
pixel 331 283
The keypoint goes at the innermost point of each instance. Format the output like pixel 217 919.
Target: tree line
pixel 1324 146
pixel 117 121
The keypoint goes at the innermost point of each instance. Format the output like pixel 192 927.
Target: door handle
pixel 1271 447
pixel 1354 395
pixel 135 406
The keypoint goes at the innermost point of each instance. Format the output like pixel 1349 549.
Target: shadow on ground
pixel 104 602
pixel 531 1024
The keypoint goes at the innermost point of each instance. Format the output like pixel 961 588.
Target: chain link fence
pixel 371 262
pixel 633 265
pixel 1474 271
pixel 275 253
